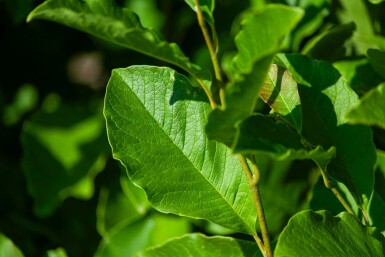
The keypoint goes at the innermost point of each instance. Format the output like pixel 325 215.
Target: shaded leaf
pixel 7 248
pixel 118 208
pixel 150 231
pixel 377 60
pixel 155 123
pixel 197 245
pixel 62 156
pixel 370 110
pixel 117 25
pixel 250 67
pixel 315 12
pixel 207 8
pixel 320 234
pixel 260 134
pixel 326 98
pixel 280 92
pixel 329 45
pixel 359 73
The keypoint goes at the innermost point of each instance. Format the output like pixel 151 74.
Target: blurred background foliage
pixel 61 193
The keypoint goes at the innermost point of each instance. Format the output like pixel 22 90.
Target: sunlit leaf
pixel 370 110
pixel 150 231
pixel 106 20
pixel 250 67
pixel 280 92
pixel 326 99
pixel 7 248
pixel 320 234
pixel 197 245
pixel 155 123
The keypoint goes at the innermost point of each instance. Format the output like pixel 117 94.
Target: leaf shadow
pixel 183 90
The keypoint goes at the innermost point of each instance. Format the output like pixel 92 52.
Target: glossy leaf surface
pixel 117 25
pixel 320 234
pixel 326 99
pixel 280 92
pixel 371 109
pixel 197 245
pixel 250 67
pixel 155 123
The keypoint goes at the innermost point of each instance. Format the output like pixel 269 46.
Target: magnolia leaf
pixel 376 1
pixel 250 66
pixel 150 231
pixel 330 44
pixel 315 13
pixel 197 245
pixel 207 8
pixel 59 252
pixel 326 99
pixel 370 110
pixel 117 25
pixel 320 234
pixel 280 92
pixel 155 123
pixel 62 156
pixel 376 59
pixel 8 248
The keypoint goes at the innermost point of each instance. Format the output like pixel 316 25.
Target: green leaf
pixel 117 25
pixel 280 92
pixel 150 231
pixel 326 98
pixel 315 13
pixel 359 73
pixel 357 11
pixel 376 59
pixel 118 208
pixel 62 156
pixel 329 45
pixel 376 1
pixel 370 110
pixel 320 234
pixel 260 134
pixel 155 123
pixel 59 252
pixel 207 8
pixel 256 48
pixel 197 245
pixel 7 248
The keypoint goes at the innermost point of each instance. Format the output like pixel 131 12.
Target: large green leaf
pixel 150 231
pixel 7 248
pixel 320 234
pixel 155 123
pixel 280 92
pixel 370 110
pixel 120 207
pixel 62 156
pixel 256 48
pixel 260 134
pixel 326 98
pixel 197 245
pixel 117 25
